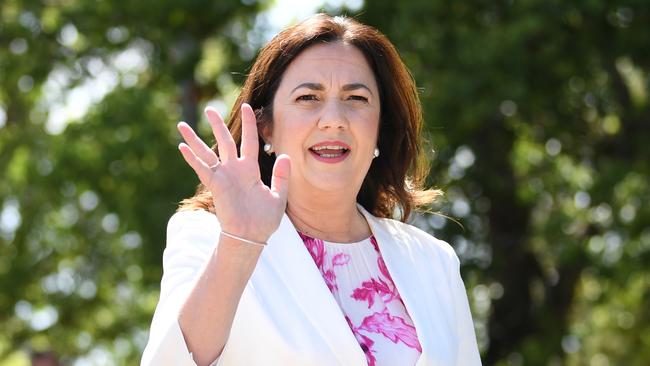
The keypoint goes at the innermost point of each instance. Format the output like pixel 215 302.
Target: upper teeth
pixel 328 147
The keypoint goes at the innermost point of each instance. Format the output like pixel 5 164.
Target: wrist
pixel 243 239
pixel 244 234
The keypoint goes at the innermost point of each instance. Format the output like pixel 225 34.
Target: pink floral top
pixel 359 280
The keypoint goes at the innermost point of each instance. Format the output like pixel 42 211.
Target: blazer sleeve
pixel 191 240
pixel 468 353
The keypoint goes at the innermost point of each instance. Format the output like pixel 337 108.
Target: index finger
pixel 249 139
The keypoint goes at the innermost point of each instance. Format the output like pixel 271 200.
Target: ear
pixel 264 125
pixel 266 131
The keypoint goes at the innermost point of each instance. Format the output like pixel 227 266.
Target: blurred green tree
pixel 538 112
pixel 541 115
pixel 90 92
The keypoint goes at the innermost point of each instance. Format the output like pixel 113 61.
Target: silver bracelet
pixel 242 239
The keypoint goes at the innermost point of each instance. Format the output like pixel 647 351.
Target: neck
pixel 328 216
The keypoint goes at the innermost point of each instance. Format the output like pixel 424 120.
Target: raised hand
pixel 243 204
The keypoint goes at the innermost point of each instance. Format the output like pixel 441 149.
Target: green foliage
pixel 538 112
pixel 84 207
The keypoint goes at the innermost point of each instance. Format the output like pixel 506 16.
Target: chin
pixel 331 182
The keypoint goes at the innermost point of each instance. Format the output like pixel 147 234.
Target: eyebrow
pixel 320 87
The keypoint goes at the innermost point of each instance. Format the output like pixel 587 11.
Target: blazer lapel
pixel 417 286
pixel 288 259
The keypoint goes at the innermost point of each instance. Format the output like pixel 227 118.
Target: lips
pixel 330 151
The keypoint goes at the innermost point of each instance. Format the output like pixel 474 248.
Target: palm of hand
pixel 244 205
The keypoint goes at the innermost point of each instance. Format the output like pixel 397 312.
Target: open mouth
pixel 330 152
pixel 327 151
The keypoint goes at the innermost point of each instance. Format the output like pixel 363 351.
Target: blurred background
pixel 537 114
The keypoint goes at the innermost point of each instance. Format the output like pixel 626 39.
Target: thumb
pixel 280 177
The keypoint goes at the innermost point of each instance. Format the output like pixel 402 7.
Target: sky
pixel 286 12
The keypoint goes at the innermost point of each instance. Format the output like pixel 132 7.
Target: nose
pixel 333 116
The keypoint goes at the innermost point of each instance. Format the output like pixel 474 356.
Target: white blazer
pixel 287 315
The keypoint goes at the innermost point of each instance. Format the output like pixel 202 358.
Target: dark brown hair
pixel 394 181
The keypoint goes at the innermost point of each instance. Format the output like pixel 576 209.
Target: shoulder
pixel 196 225
pixel 417 239
pixel 191 219
pixel 189 216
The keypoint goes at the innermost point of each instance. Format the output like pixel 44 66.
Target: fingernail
pixel 210 110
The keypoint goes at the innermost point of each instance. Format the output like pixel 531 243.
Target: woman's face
pixel 326 118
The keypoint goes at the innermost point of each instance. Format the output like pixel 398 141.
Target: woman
pixel 289 256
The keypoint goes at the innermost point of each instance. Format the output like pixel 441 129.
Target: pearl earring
pixel 268 148
pixel 376 152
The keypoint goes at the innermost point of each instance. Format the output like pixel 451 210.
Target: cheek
pixel 291 137
pixel 371 128
pixel 369 116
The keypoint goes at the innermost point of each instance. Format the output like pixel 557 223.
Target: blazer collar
pixel 288 255
pixel 403 256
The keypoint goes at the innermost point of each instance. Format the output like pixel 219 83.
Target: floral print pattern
pixel 357 276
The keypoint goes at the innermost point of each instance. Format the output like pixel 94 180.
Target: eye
pixel 359 98
pixel 307 97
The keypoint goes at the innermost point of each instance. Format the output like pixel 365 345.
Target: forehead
pixel 329 62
